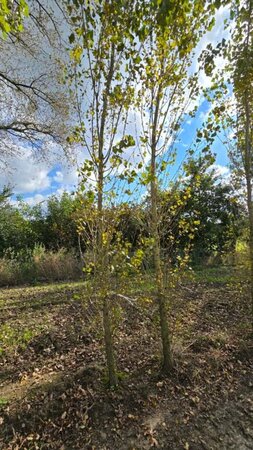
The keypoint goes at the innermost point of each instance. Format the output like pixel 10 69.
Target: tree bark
pixel 248 174
pixel 250 215
pixel 101 257
pixel 161 299
pixel 112 374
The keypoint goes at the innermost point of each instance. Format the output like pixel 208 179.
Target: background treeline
pixel 44 242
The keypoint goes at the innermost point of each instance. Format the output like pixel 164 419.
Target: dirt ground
pixel 53 392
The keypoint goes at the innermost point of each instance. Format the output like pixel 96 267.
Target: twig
pixel 187 288
pixel 130 301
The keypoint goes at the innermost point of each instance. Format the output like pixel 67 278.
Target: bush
pixel 29 266
pixel 8 272
pixel 56 266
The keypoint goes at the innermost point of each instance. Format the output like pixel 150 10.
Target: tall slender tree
pixel 240 54
pixel 103 51
pixel 173 30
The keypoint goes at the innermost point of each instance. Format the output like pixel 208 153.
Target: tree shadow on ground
pixel 77 411
pixel 69 406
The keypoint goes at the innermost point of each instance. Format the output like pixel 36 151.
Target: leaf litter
pixel 53 392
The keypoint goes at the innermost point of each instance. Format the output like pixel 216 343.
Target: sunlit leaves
pixel 12 15
pixel 76 53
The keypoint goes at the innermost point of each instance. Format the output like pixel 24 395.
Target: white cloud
pixel 38 198
pixel 35 180
pixel 31 201
pixel 221 171
pixel 203 116
pixel 58 176
pixel 69 176
pixel 24 175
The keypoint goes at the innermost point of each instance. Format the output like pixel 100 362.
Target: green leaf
pixel 71 38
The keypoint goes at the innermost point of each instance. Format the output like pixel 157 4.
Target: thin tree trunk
pixel 112 374
pixel 103 283
pixel 250 215
pixel 102 265
pixel 161 299
pixel 248 173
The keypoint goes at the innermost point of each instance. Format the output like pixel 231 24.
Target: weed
pixel 220 274
pixel 30 266
pixel 11 338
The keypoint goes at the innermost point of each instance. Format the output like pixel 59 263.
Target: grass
pixel 221 274
pixel 12 337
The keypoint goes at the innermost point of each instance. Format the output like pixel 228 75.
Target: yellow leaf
pixel 76 53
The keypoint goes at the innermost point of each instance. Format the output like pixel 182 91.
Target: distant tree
pixel 50 223
pixel 214 209
pixel 59 223
pixel 15 230
pixel 5 195
pixel 133 223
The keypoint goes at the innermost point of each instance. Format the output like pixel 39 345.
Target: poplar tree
pixel 240 55
pixel 103 51
pixel 166 88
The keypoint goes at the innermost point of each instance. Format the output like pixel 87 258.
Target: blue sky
pixel 36 180
pixel 189 130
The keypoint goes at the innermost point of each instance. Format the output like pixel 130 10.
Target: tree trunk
pixel 102 280
pixel 101 257
pixel 161 299
pixel 248 174
pixel 250 211
pixel 112 374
